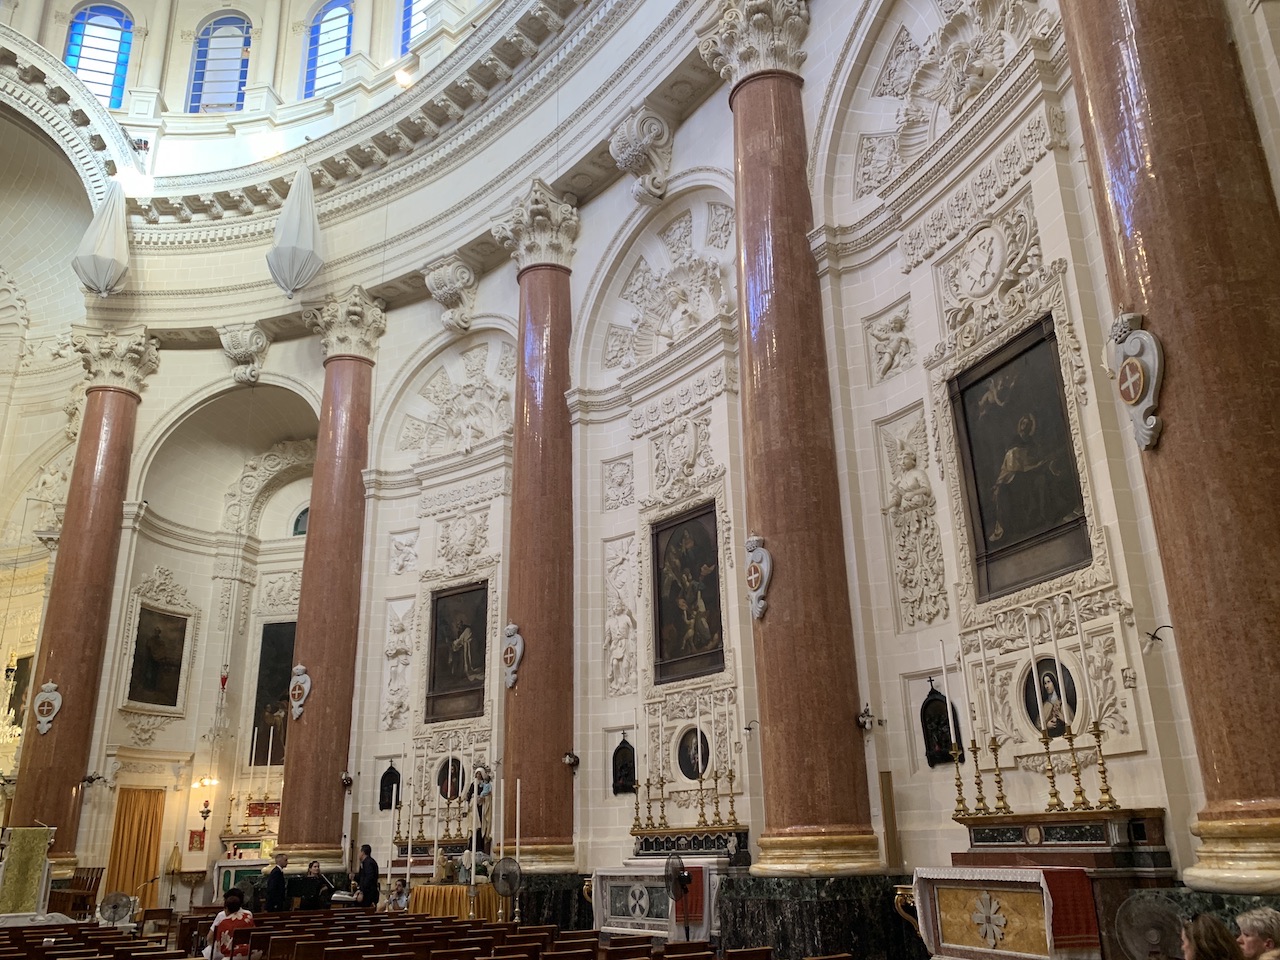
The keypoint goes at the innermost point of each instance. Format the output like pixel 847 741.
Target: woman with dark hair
pixel 1207 938
pixel 233 917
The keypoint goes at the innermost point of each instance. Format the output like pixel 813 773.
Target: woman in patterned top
pixel 232 918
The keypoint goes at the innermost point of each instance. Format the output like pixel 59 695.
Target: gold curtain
pixel 135 845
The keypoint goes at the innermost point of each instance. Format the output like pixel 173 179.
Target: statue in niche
pixel 917 542
pixel 398 650
pixel 620 648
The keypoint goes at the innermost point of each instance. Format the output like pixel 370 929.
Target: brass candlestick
pixel 1105 800
pixel 1002 805
pixel 1080 802
pixel 662 803
pixel 715 817
pixel 702 804
pixel 635 824
pixel 962 808
pixel 648 804
pixel 399 837
pixel 1055 801
pixel 422 817
pixel 979 804
pixel 244 824
pixel 231 806
pixel 733 815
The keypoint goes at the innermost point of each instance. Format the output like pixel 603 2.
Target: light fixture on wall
pixel 570 760
pixel 867 719
pixel 216 730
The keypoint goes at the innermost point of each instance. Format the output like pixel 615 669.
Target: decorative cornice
pixel 641 146
pixel 755 36
pixel 123 357
pixel 541 228
pixel 348 326
pixel 452 283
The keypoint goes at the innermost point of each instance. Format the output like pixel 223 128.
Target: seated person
pixel 398 898
pixel 315 888
pixel 232 917
pixel 1259 932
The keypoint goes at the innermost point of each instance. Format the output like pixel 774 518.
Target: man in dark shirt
pixel 277 888
pixel 366 878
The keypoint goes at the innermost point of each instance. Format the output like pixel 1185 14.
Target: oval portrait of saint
pixel 1049 704
pixel 449 779
pixel 692 756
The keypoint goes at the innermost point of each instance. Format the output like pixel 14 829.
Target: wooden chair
pixel 749 953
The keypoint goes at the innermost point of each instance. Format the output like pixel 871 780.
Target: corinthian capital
pixel 350 325
pixel 121 357
pixel 753 36
pixel 540 228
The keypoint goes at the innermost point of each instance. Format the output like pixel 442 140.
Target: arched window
pixel 98 45
pixel 300 522
pixel 419 17
pixel 329 42
pixel 220 66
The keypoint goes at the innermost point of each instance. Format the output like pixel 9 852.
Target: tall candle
pixel 253 755
pixel 448 777
pixel 946 690
pixel 1031 645
pixel 699 701
pixel 713 731
pixel 1057 669
pixel 988 679
pixel 968 695
pixel 1084 660
pixel 502 819
pixel 517 819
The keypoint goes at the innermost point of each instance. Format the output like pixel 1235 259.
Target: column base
pixel 1236 856
pixel 818 855
pixel 331 858
pixel 548 858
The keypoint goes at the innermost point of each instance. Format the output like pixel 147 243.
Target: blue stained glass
pixel 99 41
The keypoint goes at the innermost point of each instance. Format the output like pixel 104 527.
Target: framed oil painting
pixel 1048 703
pixel 693 754
pixel 450 779
pixel 688 629
pixel 458 648
pixel 271 700
pixel 1021 483
pixel 159 650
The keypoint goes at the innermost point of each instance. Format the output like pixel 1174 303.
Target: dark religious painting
pixel 20 695
pixel 157 658
pixel 1042 696
pixel 686 597
pixel 693 754
pixel 459 642
pixel 271 705
pixel 624 768
pixel 450 779
pixel 389 788
pixel 937 729
pixel 1026 510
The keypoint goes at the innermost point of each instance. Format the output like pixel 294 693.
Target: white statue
pixel 620 648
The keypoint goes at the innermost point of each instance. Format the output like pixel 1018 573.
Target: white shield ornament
pixel 512 653
pixel 1140 357
pixel 46 706
pixel 299 690
pixel 759 571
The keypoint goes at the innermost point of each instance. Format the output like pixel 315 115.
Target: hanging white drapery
pixel 102 259
pixel 296 254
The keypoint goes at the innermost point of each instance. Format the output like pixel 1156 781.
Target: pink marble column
pixel 540 596
pixel 817 811
pixel 1192 239
pixel 328 631
pixel 74 637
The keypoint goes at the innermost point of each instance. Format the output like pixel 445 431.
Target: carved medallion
pixel 512 653
pixel 47 704
pixel 299 690
pixel 758 573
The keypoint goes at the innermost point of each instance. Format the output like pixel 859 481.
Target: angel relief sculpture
pixel 468 413
pixel 398 650
pixel 917 543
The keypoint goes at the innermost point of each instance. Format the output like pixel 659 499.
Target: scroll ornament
pixel 47 704
pixel 1139 360
pixel 512 653
pixel 759 571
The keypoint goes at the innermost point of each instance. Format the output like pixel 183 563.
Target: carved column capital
pixel 754 36
pixel 541 228
pixel 452 283
pixel 350 325
pixel 121 357
pixel 641 146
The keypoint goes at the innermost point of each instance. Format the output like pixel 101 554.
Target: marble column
pixel 74 638
pixel 328 633
pixel 817 811
pixel 539 713
pixel 1192 240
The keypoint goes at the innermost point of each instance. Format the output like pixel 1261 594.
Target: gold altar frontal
pixel 451 900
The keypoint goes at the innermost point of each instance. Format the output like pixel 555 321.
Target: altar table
pixel 451 900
